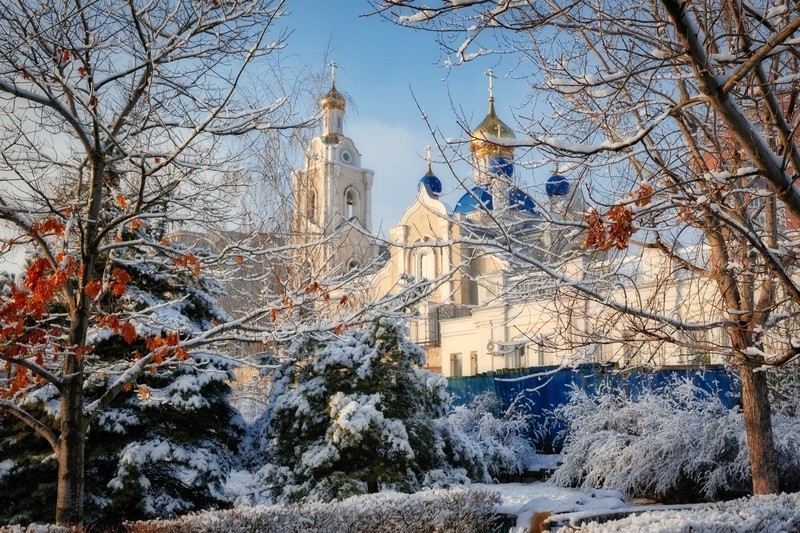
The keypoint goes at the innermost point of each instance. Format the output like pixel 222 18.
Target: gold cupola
pixel 333 99
pixel 487 137
pixel 332 104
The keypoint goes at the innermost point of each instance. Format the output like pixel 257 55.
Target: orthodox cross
pixel 333 71
pixel 428 149
pixel 490 74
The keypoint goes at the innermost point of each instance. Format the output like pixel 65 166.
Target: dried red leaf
pixel 128 332
pixel 93 288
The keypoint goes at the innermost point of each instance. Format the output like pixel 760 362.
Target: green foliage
pixel 353 415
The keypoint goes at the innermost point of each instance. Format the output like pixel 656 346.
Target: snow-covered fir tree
pixel 356 414
pixel 165 445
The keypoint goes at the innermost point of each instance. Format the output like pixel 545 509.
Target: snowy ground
pixel 773 513
pixel 527 499
pixel 769 514
pixel 762 514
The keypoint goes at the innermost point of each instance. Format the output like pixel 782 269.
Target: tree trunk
pixel 758 429
pixel 69 502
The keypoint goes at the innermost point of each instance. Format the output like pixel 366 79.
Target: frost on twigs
pixel 677 443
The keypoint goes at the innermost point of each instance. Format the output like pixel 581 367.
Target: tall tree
pixel 127 103
pixel 166 443
pixel 682 116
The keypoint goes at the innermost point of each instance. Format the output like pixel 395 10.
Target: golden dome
pixel 491 127
pixel 333 100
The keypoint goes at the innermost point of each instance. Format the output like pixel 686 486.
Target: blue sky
pixel 380 65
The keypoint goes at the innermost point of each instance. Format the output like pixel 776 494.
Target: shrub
pixel 430 511
pixel 677 443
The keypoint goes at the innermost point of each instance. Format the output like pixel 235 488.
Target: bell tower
pixel 333 195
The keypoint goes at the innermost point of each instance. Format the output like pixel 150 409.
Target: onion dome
pixel 500 166
pixel 333 99
pixel 492 128
pixel 480 199
pixel 556 186
pixel 521 201
pixel 431 183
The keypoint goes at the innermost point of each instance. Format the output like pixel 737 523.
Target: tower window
pixel 425 265
pixel 350 204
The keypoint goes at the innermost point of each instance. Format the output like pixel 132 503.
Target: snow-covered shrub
pixel 679 443
pixel 486 444
pixel 431 511
pixel 354 414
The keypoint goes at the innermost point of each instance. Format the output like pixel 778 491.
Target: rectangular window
pixel 473 363
pixel 455 365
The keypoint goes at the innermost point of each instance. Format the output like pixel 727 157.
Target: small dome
pixel 431 184
pixel 333 100
pixel 500 166
pixel 556 186
pixel 474 200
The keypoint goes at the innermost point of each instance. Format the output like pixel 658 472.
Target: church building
pixel 485 304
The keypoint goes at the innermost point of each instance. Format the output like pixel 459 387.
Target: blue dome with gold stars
pixel 500 166
pixel 556 186
pixel 479 198
pixel 432 184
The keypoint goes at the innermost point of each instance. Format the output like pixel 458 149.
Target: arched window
pixel 350 201
pixel 426 267
pixel 353 264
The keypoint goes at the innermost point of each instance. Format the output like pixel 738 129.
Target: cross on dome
pixel 333 71
pixel 491 76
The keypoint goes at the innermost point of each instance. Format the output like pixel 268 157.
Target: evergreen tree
pixel 354 414
pixel 165 445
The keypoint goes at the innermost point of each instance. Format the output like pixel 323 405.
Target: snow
pixel 6 467
pixel 527 499
pixel 765 514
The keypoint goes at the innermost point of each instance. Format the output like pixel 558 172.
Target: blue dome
pixel 521 201
pixel 431 184
pixel 557 186
pixel 472 201
pixel 480 198
pixel 500 166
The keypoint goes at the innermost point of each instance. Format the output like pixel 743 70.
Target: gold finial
pixel 490 74
pixel 428 149
pixel 556 170
pixel 333 72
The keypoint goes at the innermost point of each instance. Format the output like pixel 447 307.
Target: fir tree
pixel 356 414
pixel 166 444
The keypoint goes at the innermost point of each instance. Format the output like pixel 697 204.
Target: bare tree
pixel 116 118
pixel 683 117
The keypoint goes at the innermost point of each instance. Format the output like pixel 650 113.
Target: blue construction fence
pixel 538 391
